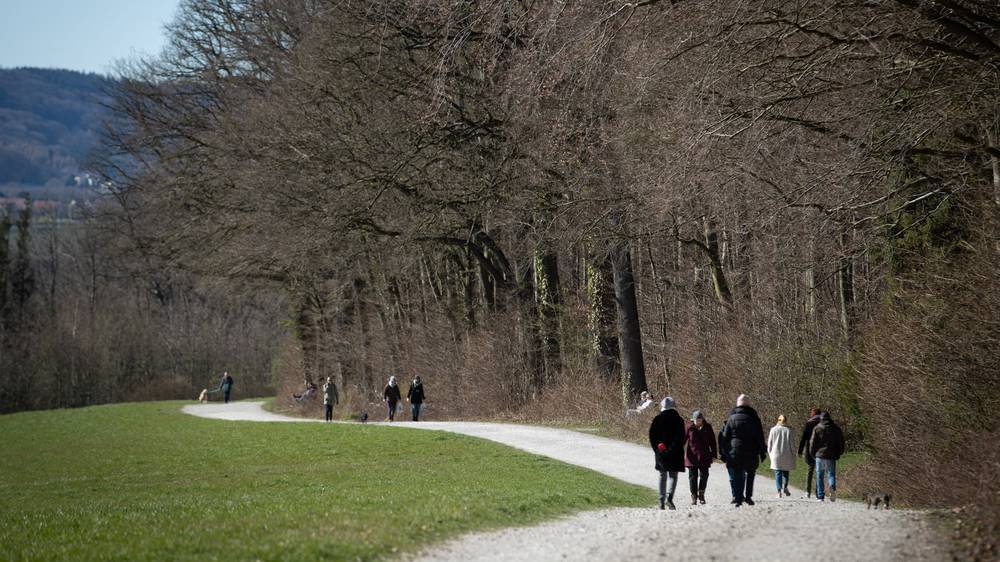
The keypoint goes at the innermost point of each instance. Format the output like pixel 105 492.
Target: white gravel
pixel 792 529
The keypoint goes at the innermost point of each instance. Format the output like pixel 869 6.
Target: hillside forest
pixel 545 208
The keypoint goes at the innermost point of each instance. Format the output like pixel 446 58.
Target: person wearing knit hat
pixel 699 453
pixel 779 448
pixel 743 448
pixel 666 437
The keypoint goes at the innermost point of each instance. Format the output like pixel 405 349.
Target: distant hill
pixel 49 122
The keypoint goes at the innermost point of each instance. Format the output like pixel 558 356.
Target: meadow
pixel 146 482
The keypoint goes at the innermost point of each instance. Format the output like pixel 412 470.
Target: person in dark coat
pixel 826 446
pixel 666 437
pixel 226 386
pixel 743 448
pixel 415 396
pixel 699 453
pixel 391 396
pixel 807 432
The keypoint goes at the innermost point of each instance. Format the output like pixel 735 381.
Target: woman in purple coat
pixel 699 454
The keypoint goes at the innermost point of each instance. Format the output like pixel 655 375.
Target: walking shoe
pixel 738 503
pixel 701 496
pixel 779 495
pixel 819 499
pixel 694 499
pixel 670 504
pixel 787 493
pixel 749 501
pixel 734 501
pixel 833 494
pixel 661 505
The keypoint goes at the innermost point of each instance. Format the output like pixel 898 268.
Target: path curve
pixel 789 529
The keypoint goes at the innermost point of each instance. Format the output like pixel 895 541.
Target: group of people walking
pixel 415 396
pixel 741 445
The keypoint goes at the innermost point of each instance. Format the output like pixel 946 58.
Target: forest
pixel 545 208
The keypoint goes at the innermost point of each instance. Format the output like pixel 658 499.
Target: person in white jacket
pixel 779 448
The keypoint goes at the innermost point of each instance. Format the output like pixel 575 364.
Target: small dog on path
pixel 876 499
pixel 203 397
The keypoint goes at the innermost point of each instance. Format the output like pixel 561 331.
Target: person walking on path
pixel 226 386
pixel 666 437
pixel 807 432
pixel 699 453
pixel 415 396
pixel 826 446
pixel 330 397
pixel 742 448
pixel 391 397
pixel 779 448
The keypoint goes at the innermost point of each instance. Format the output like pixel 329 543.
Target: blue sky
pixel 85 35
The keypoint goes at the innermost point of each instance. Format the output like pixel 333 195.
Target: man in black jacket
pixel 807 432
pixel 826 445
pixel 666 437
pixel 742 447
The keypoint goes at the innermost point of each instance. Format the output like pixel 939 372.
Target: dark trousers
pixel 741 476
pixel 415 410
pixel 697 479
pixel 811 477
pixel 225 396
pixel 329 412
pixel 392 410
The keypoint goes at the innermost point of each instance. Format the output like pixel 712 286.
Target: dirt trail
pixel 791 529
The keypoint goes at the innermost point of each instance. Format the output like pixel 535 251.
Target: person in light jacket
pixel 699 453
pixel 779 448
pixel 330 397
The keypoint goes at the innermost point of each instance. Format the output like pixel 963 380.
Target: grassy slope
pixel 145 482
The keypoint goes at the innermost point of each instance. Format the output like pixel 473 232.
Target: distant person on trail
pixel 330 397
pixel 310 389
pixel 779 448
pixel 666 437
pixel 826 446
pixel 807 432
pixel 226 386
pixel 415 396
pixel 742 447
pixel 391 397
pixel 699 453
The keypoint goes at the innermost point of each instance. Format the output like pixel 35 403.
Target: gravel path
pixel 792 529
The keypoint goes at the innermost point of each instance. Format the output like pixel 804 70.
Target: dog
pixel 203 397
pixel 364 417
pixel 876 499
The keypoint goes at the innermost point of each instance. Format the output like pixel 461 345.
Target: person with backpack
pixel 779 448
pixel 666 437
pixel 415 396
pixel 742 448
pixel 226 386
pixel 330 397
pixel 826 446
pixel 699 453
pixel 807 432
pixel 391 396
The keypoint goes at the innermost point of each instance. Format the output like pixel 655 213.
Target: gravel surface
pixel 791 528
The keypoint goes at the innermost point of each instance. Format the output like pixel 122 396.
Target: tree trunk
pixel 548 299
pixel 845 285
pixel 601 300
pixel 719 282
pixel 629 332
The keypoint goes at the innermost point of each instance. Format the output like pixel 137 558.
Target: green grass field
pixel 146 482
